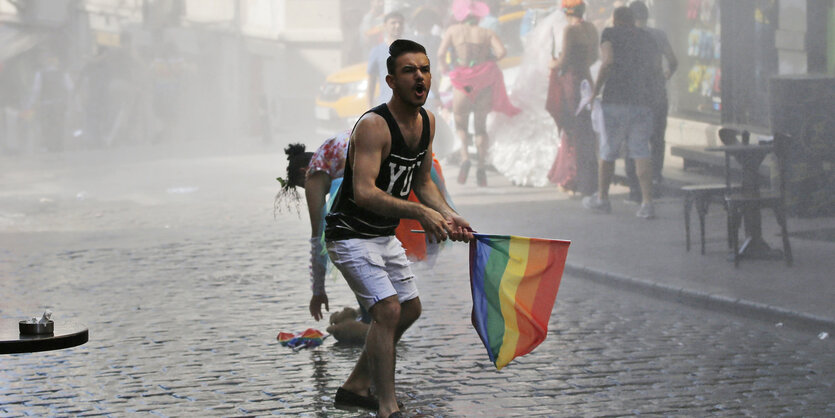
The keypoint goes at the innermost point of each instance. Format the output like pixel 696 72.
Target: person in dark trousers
pixel 389 153
pixel 657 144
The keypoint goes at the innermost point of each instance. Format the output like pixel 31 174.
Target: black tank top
pixel 347 220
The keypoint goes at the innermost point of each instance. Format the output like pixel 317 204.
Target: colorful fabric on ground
pixel 514 282
pixel 306 339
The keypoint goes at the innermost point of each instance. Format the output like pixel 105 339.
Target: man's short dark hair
pixel 639 10
pixel 393 15
pixel 623 16
pixel 400 47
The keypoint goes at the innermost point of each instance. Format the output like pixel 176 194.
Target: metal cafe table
pixel 750 157
pixel 66 334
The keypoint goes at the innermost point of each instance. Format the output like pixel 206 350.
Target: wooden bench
pixel 696 157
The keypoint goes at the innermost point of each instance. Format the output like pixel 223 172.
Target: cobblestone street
pixel 184 275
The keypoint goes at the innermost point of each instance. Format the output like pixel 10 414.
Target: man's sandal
pixel 347 399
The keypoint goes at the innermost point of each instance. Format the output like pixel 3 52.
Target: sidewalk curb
pixel 702 300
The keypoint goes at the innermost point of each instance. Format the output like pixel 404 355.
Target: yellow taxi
pixel 342 99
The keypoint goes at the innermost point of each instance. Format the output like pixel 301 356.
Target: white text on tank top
pixel 401 172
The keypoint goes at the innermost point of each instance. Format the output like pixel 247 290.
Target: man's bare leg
pixel 391 320
pixel 643 168
pixel 481 144
pixel 383 370
pixel 461 114
pixel 483 104
pixel 605 171
pixel 379 349
pixel 409 313
pixel 359 381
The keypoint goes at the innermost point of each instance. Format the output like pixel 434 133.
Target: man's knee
pixel 410 310
pixel 643 165
pixel 387 311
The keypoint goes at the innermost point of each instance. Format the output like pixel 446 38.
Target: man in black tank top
pixel 390 154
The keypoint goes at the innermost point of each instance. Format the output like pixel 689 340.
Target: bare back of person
pixel 472 44
pixel 581 41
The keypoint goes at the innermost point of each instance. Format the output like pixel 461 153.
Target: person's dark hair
pixel 400 47
pixel 287 196
pixel 623 16
pixel 393 15
pixel 639 10
pixel 296 160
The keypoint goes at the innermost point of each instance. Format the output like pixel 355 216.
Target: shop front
pixel 766 65
pixel 727 54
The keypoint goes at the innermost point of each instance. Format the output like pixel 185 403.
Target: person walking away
pixel 49 101
pixel 389 154
pixel 575 167
pixel 478 83
pixel 377 92
pixel 628 62
pixel 657 143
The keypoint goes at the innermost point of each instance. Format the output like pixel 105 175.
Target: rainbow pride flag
pixel 306 339
pixel 514 281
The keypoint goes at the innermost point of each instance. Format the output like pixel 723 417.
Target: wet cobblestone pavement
pixel 184 296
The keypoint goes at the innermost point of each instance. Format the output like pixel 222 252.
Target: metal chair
pixel 737 203
pixel 702 195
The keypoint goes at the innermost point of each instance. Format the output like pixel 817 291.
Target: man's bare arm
pixel 595 40
pixel 672 61
pixel 606 56
pixel 442 51
pixel 316 187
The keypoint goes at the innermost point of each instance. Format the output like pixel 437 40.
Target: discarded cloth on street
pixel 307 339
pixel 514 282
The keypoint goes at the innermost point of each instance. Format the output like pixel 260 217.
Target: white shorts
pixel 375 268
